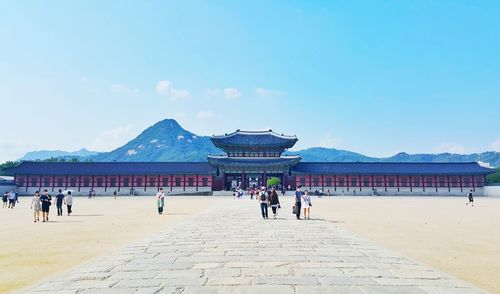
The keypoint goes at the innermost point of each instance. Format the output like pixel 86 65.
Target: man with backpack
pixel 263 198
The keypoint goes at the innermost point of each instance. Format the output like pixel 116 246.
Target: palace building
pixel 249 159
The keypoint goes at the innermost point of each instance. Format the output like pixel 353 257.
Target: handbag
pixel 295 209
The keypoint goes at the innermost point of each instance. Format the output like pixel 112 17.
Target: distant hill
pixel 168 141
pixel 47 154
pixel 164 141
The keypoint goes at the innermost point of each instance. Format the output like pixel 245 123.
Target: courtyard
pixel 203 244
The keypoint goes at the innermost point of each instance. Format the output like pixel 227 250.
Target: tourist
pixel 264 201
pixel 275 202
pixel 298 202
pixel 160 199
pixel 90 194
pixel 306 202
pixel 59 203
pixel 69 202
pixel 46 200
pixel 36 205
pixel 12 199
pixel 251 193
pixel 471 199
pixel 114 194
pixel 5 198
pixel 93 194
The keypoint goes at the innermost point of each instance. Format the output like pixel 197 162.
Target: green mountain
pixel 164 141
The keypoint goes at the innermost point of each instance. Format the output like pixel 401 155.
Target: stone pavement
pixel 231 249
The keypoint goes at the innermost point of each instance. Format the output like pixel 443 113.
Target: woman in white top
pixel 306 202
pixel 160 200
pixel 69 202
pixel 36 205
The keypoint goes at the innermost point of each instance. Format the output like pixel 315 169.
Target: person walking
pixel 263 198
pixel 59 203
pixel 69 202
pixel 471 199
pixel 298 201
pixel 46 200
pixel 275 203
pixel 306 204
pixel 36 205
pixel 5 198
pixel 160 199
pixel 12 199
pixel 114 194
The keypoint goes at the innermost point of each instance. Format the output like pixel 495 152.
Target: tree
pixel 273 181
pixel 7 164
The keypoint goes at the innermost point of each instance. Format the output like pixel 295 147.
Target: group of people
pixel 43 202
pixel 266 198
pixel 10 198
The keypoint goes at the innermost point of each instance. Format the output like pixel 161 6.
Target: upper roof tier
pixel 254 139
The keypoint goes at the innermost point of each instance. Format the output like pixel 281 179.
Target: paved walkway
pixel 230 249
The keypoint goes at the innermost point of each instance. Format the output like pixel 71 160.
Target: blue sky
pixel 376 77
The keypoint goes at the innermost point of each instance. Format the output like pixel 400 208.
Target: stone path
pixel 231 249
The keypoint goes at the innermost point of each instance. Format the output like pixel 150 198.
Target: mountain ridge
pixel 167 141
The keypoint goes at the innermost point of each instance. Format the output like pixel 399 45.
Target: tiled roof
pixel 387 168
pixel 112 168
pixel 255 138
pixel 253 161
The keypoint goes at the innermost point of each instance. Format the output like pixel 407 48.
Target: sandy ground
pixel 441 232
pixel 31 252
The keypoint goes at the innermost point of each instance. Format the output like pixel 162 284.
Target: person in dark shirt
pixel 471 199
pixel 59 203
pixel 298 201
pixel 46 200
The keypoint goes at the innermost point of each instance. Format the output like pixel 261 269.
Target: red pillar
pixel 66 183
pixel 197 185
pixel 53 182
pixel 79 182
pixel 359 182
pixel 322 183
pixel 411 184
pixel 119 182
pixel 473 184
pixel 397 181
pixel 436 182
pixel 92 183
pixel 184 182
pixel 27 182
pixel 423 183
pixel 461 185
pixel 106 183
pixel 158 183
pixel 347 185
pixel 448 180
pixel 335 183
pixel 373 184
pixel 385 183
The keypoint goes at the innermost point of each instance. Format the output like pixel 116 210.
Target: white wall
pixel 492 191
pixel 84 191
pixel 367 191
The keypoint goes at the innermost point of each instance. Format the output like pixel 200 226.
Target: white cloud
pixel 13 151
pixel 495 146
pixel 108 140
pixel 449 148
pixel 329 141
pixel 231 94
pixel 180 137
pixel 131 152
pixel 267 93
pixel 165 88
pixel 205 114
